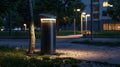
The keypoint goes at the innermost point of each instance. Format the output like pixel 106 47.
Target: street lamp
pixel 75 10
pixel 82 15
pixel 25 26
pixel 106 4
pixel 88 15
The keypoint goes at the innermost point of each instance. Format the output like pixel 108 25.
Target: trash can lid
pixel 44 15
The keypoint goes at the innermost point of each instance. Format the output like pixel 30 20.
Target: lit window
pixel 111 26
pixel 105 27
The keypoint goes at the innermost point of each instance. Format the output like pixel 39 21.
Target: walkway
pixel 79 51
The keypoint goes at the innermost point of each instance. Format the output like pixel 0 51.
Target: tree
pixel 60 8
pixel 24 11
pixel 20 8
pixel 7 9
pixel 114 11
pixel 32 32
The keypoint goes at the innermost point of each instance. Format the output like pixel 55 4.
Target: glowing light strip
pixel 48 20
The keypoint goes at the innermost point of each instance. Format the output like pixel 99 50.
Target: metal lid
pixel 44 15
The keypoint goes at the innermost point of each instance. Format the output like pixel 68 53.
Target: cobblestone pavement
pixel 79 51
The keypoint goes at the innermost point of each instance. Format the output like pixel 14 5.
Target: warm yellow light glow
pixel 24 24
pixel 86 54
pixel 87 15
pixel 110 26
pixel 77 10
pixel 83 13
pixel 25 27
pixel 48 20
pixel 105 4
pixel 118 26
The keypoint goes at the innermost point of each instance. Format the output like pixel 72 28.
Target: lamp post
pixel 106 4
pixel 75 10
pixel 25 26
pixel 88 15
pixel 82 15
pixel 91 6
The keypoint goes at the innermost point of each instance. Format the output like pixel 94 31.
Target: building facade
pixel 101 20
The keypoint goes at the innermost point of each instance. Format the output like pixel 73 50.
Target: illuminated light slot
pixel 48 20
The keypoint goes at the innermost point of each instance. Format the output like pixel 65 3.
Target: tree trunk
pixel 57 24
pixel 10 24
pixel 57 27
pixel 32 32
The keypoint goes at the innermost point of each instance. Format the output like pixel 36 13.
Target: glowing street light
pixel 25 27
pixel 88 15
pixel 75 10
pixel 82 15
pixel 106 4
pixel 78 9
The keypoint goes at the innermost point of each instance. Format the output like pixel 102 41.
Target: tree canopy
pixel 63 9
pixel 19 9
pixel 8 10
pixel 114 11
pixel 59 7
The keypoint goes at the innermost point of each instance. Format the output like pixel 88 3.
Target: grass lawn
pixel 107 33
pixel 37 33
pixel 19 34
pixel 15 57
pixel 67 32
